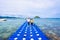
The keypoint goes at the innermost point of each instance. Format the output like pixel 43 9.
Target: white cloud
pixel 23 7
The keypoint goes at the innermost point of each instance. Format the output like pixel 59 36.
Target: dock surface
pixel 28 32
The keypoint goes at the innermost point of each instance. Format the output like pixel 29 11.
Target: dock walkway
pixel 28 32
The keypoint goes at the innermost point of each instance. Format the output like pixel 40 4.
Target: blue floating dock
pixel 28 32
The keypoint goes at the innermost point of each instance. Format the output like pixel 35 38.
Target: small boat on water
pixel 2 20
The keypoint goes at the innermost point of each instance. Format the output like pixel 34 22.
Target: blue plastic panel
pixel 28 32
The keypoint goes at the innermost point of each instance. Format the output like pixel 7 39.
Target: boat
pixel 2 20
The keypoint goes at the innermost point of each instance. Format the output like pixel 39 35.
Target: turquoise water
pixel 49 25
pixel 8 27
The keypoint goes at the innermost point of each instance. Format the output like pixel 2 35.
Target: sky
pixel 31 8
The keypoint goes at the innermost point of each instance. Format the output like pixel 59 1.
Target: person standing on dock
pixel 31 21
pixel 28 20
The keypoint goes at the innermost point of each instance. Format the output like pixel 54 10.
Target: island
pixel 36 17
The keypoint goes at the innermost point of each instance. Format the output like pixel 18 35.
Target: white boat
pixel 2 20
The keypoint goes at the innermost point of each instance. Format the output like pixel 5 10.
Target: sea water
pixel 8 27
pixel 50 25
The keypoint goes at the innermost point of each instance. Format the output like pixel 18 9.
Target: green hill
pixel 36 17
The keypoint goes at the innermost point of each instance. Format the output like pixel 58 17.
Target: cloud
pixel 43 8
pixel 22 4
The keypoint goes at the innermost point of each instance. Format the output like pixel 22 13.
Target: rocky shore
pixel 52 36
